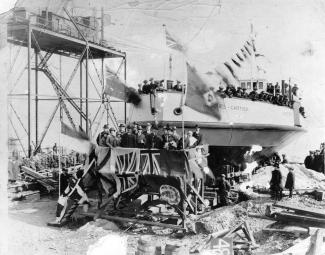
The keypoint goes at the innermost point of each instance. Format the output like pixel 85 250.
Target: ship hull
pixel 243 122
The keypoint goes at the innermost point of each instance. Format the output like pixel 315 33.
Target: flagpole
pixel 183 136
pixel 253 62
pixel 59 155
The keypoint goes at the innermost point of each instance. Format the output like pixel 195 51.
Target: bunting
pixel 239 57
pixel 231 70
pixel 235 62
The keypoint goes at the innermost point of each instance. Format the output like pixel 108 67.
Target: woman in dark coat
pixel 290 182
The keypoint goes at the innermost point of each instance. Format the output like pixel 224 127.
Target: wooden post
pixel 29 47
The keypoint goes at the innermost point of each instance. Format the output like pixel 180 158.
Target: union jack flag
pixel 174 43
pixel 125 160
pixel 149 162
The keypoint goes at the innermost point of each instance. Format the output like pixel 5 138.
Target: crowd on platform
pixel 273 93
pixel 135 136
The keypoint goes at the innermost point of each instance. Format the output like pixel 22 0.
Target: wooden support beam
pixel 197 194
pixel 319 213
pixel 144 222
pixel 298 218
pixel 275 230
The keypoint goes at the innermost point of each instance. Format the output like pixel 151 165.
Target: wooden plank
pixel 144 222
pixel 197 194
pixel 272 230
pixel 39 178
pixel 249 232
pixel 304 211
pixel 298 218
pixel 260 216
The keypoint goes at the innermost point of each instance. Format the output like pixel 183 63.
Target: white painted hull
pixel 243 122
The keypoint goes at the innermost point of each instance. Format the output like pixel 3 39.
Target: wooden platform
pixel 61 43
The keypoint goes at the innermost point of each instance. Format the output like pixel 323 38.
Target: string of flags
pixel 246 53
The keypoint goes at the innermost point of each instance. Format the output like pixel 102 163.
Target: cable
pixel 203 25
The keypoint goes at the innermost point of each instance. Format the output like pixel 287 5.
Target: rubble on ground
pixel 271 236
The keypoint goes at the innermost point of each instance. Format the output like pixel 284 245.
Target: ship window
pixel 249 85
pixel 243 85
pixel 260 85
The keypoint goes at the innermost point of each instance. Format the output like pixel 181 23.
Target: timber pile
pixel 19 191
pixel 49 160
pixel 299 215
pixel 42 178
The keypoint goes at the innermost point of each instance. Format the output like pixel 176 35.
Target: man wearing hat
pixel 131 137
pixel 254 95
pixel 101 138
pixel 244 93
pixel 198 135
pixel 170 84
pixel 149 142
pixel 176 136
pixel 165 136
pixel 145 87
pixel 175 87
pixel 141 138
pixel 221 92
pixel 238 92
pixel 111 139
pixel 139 88
pixel 277 88
pixel 290 182
pixel 223 190
pixel 276 183
pixel 161 86
pixel 179 86
pixel 124 136
pixel 121 128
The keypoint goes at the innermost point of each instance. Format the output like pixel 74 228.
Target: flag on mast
pixel 173 43
pixel 75 140
pixel 118 89
pixel 199 96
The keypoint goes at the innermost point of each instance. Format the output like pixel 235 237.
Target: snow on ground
pixel 304 178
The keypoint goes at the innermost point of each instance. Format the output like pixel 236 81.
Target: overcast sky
pixel 289 33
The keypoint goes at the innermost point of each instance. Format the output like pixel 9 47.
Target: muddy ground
pixel 29 233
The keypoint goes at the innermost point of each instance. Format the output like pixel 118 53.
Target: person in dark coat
pixel 309 160
pixel 223 190
pixel 284 159
pixel 254 95
pixel 318 161
pixel 101 138
pixel 124 139
pixel 276 183
pixel 131 138
pixel 112 140
pixel 157 141
pixel 149 137
pixel 141 138
pixel 290 182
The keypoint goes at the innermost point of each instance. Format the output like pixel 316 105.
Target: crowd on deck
pixel 315 159
pixel 136 136
pixel 273 93
pixel 151 86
